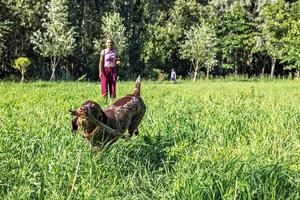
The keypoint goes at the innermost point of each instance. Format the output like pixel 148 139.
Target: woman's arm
pixel 101 62
pixel 117 59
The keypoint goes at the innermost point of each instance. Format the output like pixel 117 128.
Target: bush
pixel 22 64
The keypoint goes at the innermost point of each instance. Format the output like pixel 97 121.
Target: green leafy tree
pixel 167 33
pixel 251 34
pixel 4 30
pixel 6 27
pixel 291 41
pixel 25 18
pixel 236 31
pixel 200 47
pixel 85 16
pixel 22 64
pixel 274 28
pixel 58 39
pixel 28 12
pixel 142 17
pixel 113 28
pixel 260 39
pixel 162 44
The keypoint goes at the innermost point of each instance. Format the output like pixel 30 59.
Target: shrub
pixel 22 64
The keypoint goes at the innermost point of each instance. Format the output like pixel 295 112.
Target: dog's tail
pixel 137 87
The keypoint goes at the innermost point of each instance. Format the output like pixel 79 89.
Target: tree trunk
pixel 207 73
pixel 41 62
pixel 52 78
pixel 54 62
pixel 196 66
pixel 72 70
pixel 297 73
pixel 273 67
pixel 22 73
pixel 235 63
pixel 264 66
pixel 43 71
pixel 84 37
pixel 195 76
pixel 247 68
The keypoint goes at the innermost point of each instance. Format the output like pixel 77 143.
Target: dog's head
pixel 78 121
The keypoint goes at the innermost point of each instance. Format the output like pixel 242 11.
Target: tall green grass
pixel 209 140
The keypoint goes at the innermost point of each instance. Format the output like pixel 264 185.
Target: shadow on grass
pixel 152 153
pixel 155 152
pixel 146 154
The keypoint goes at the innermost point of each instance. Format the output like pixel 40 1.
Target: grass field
pixel 209 140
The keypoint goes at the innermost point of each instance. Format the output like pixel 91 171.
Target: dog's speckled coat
pixel 124 114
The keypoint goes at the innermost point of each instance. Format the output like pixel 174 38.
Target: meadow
pixel 208 140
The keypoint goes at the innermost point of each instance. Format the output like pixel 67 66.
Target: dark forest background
pixel 62 38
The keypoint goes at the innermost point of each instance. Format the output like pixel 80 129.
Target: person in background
pixel 173 76
pixel 107 70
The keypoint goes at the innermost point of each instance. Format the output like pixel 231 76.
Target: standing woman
pixel 107 70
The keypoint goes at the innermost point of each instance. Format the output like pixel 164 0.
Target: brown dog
pixel 106 126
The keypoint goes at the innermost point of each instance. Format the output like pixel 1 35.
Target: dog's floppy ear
pixel 74 121
pixel 74 124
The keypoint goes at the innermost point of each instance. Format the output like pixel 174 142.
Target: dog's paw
pixel 126 137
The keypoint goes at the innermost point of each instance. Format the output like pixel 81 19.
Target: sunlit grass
pixel 209 140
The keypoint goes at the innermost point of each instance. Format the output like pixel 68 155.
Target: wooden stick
pixel 75 177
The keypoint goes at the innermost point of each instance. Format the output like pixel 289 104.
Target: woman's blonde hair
pixel 112 41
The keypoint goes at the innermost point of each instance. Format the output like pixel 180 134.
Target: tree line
pixel 62 39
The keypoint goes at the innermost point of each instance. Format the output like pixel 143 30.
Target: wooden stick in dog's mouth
pixel 85 114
